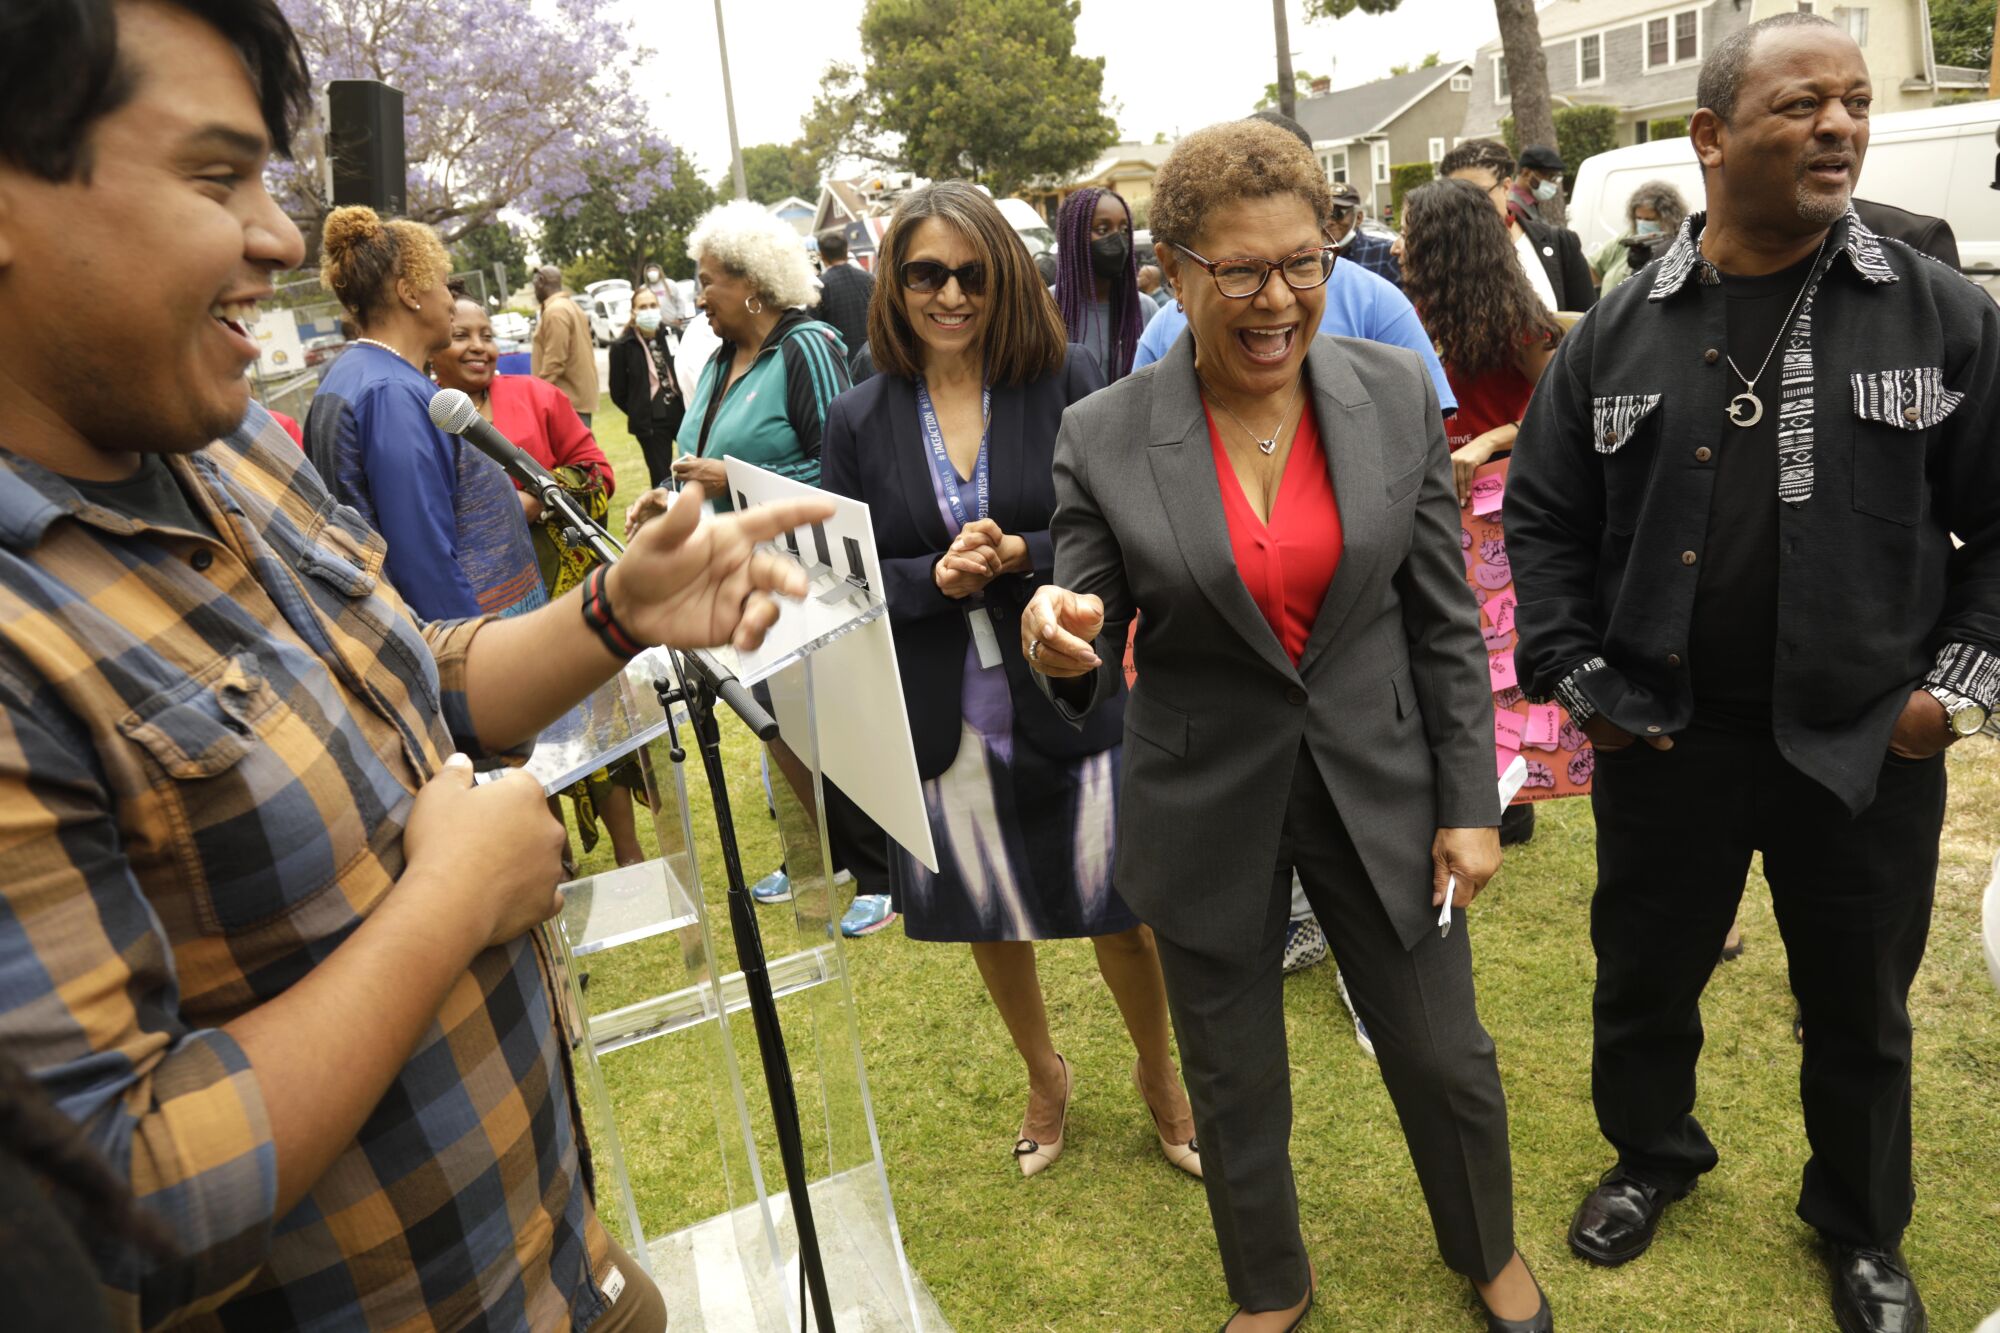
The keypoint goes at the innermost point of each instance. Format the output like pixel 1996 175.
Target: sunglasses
pixel 1343 211
pixel 927 275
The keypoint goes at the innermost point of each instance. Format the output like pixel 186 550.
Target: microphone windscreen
pixel 452 411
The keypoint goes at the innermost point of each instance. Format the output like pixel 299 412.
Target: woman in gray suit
pixel 1277 509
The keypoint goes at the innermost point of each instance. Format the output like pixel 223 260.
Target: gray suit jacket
pixel 1391 697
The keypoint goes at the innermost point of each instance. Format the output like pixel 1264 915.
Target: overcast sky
pixel 1171 66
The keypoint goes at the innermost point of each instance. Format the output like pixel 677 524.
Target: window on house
pixel 1673 39
pixel 1461 83
pixel 1339 168
pixel 1856 23
pixel 1502 91
pixel 1437 151
pixel 1638 131
pixel 1380 152
pixel 1590 58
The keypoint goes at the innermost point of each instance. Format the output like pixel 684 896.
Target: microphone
pixel 453 412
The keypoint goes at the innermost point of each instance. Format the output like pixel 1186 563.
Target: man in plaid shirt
pixel 1343 228
pixel 260 936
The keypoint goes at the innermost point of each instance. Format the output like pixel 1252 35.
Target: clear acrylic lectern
pixel 678 1116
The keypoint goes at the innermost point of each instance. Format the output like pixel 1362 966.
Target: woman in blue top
pixel 458 543
pixel 763 396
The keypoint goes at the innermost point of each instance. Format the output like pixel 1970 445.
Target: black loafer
pixel 1873 1291
pixel 1615 1222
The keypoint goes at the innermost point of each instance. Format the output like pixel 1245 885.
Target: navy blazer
pixel 873 450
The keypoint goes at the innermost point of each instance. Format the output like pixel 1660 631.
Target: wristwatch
pixel 1964 716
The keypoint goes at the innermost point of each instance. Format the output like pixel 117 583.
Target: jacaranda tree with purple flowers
pixel 505 105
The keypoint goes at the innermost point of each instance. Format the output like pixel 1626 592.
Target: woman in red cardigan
pixel 538 417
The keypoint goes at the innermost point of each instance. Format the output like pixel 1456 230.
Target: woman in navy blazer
pixel 952 447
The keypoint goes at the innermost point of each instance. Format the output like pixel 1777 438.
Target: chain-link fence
pixel 302 329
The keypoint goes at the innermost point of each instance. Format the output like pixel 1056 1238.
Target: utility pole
pixel 729 107
pixel 1287 85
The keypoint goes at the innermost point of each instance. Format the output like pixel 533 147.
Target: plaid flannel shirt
pixel 1374 254
pixel 208 752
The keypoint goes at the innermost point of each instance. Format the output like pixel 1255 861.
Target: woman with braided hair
pixel 1097 282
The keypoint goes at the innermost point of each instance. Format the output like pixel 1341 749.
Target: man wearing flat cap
pixel 1343 228
pixel 1540 181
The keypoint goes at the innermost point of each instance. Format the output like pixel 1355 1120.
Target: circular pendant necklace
pixel 1746 409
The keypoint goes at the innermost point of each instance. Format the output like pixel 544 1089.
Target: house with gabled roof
pixel 1359 133
pixel 1645 56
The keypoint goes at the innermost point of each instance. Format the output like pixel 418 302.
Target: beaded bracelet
pixel 603 621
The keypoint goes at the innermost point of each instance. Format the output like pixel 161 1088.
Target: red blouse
pixel 1288 563
pixel 1486 402
pixel 538 417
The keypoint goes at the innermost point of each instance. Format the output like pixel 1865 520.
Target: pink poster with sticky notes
pixel 1559 758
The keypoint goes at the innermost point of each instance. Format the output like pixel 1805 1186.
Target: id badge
pixel 984 638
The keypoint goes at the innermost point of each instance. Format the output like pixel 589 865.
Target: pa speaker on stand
pixel 364 144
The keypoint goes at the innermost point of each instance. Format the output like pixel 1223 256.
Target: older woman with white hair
pixel 763 396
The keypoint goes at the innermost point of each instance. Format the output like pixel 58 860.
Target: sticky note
pixel 1500 610
pixel 1501 667
pixel 1544 725
pixel 1508 729
pixel 1502 759
pixel 1487 495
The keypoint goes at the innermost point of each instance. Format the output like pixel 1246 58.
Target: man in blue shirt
pixel 1358 305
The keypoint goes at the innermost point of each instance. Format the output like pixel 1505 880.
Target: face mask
pixel 1108 255
pixel 1547 190
pixel 647 319
pixel 1648 227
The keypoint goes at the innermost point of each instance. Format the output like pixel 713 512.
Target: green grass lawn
pixel 1113 1239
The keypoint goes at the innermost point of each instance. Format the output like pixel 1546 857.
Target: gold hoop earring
pixel 757 309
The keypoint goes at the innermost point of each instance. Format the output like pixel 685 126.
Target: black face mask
pixel 1109 256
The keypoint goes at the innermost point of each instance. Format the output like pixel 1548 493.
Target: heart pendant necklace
pixel 1746 409
pixel 1264 446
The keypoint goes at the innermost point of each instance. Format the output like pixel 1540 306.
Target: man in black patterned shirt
pixel 1730 521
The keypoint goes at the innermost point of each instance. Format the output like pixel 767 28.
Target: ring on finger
pixel 1035 650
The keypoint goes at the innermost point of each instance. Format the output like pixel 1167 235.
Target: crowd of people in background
pixel 1173 563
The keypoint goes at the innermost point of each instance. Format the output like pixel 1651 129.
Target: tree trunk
pixel 1993 63
pixel 1528 85
pixel 1287 84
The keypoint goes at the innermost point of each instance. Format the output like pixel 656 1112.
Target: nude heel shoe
pixel 1186 1156
pixel 1034 1157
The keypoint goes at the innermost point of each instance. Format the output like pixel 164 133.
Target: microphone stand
pixel 700 681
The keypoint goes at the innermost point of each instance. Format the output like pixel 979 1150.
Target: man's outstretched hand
pixel 689 583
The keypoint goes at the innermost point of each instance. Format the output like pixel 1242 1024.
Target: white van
pixel 1941 161
pixel 1030 226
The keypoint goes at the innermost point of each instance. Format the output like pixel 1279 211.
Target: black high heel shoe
pixel 1541 1321
pixel 1293 1326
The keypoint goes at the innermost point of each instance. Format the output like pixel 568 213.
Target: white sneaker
pixel 1360 1028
